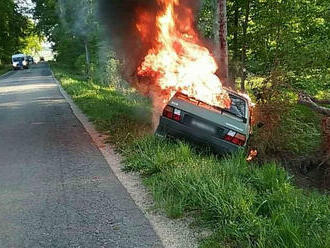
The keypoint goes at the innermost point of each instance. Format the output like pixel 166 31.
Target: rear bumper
pixel 175 129
pixel 18 67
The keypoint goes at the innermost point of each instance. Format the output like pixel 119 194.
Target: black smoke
pixel 120 17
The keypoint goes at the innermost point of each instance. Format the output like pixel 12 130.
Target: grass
pixel 124 117
pixel 245 205
pixel 4 69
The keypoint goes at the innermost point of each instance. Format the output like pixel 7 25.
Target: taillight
pixel 177 115
pixel 235 138
pixel 168 112
pixel 172 113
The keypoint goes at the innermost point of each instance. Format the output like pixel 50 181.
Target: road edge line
pixel 166 229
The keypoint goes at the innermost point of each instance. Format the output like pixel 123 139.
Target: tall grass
pixel 124 117
pixel 245 205
pixel 4 68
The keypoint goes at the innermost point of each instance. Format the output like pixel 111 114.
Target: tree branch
pixel 309 101
pixel 320 101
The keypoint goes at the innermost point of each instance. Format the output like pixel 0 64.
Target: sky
pixel 26 5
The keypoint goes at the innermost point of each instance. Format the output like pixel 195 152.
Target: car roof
pixel 18 55
pixel 232 92
pixel 211 113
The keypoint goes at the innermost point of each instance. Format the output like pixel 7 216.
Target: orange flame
pixel 177 61
pixel 252 155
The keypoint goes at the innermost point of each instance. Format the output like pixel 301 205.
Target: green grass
pixel 124 117
pixel 4 69
pixel 246 205
pixel 243 204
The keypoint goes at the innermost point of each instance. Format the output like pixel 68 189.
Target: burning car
pixel 223 129
pixel 168 56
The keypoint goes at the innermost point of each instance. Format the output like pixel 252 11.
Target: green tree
pixel 32 41
pixel 12 27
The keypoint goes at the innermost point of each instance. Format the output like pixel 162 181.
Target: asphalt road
pixel 56 189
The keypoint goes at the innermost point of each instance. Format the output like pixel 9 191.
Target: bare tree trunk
pixel 308 101
pixel 320 101
pixel 87 57
pixel 221 40
pixel 244 46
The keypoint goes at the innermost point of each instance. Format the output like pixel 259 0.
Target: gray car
pixel 225 130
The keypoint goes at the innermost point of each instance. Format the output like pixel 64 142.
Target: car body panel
pixel 205 124
pixel 221 118
pixel 175 129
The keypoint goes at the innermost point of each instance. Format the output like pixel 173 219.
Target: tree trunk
pixel 235 60
pixel 87 57
pixel 321 101
pixel 244 46
pixel 236 27
pixel 221 40
pixel 216 29
pixel 308 101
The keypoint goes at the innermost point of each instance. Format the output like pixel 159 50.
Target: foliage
pixel 4 69
pixel 32 42
pixel 292 36
pixel 287 128
pixel 13 25
pixel 76 34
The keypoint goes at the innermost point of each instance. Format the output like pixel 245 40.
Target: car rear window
pixel 18 59
pixel 238 106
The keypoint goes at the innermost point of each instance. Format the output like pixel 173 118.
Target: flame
pixel 177 61
pixel 252 155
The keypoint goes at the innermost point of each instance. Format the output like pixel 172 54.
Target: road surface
pixel 56 189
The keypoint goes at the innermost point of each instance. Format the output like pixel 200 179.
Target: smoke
pixel 78 16
pixel 120 16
